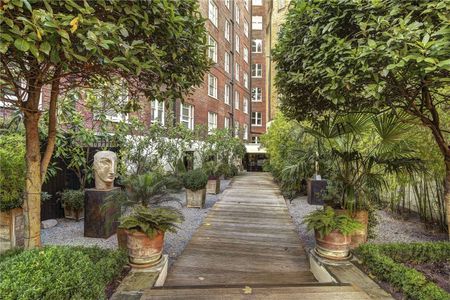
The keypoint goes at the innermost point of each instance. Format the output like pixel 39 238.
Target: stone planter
pixel 333 246
pixel 195 198
pixel 70 213
pixel 11 229
pixel 144 252
pixel 213 186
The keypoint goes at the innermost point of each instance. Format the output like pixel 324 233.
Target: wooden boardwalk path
pixel 247 239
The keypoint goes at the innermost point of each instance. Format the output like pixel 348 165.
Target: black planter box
pixel 96 223
pixel 315 188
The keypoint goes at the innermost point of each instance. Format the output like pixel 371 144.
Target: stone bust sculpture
pixel 105 165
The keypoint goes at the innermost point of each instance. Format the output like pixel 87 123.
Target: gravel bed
pixel 70 232
pixel 391 228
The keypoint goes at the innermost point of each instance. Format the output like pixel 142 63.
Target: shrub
pixel 195 180
pixel 73 199
pixel 380 260
pixel 324 221
pixel 59 272
pixel 13 168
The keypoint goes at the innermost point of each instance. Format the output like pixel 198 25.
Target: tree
pixel 353 56
pixel 158 48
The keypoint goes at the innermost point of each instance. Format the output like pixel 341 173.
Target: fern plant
pixel 324 221
pixel 150 221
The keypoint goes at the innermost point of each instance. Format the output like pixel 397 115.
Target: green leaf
pixel 6 37
pixel 45 47
pixel 22 45
pixel 4 47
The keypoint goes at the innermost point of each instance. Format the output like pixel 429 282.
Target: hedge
pixel 59 272
pixel 386 263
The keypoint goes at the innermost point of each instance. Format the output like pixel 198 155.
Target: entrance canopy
pixel 255 148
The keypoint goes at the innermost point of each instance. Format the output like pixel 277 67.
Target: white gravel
pixel 70 232
pixel 391 228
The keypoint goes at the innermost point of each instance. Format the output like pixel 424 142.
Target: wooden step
pixel 283 292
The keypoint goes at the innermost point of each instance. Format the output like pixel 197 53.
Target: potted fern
pixel 332 231
pixel 73 204
pixel 145 228
pixel 195 182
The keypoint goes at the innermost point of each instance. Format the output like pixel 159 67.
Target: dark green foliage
pixel 73 199
pixel 152 220
pixel 213 169
pixel 10 253
pixel 385 262
pixel 195 180
pixel 326 220
pixel 12 170
pixel 57 272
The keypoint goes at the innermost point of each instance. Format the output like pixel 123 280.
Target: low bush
pixel 59 272
pixel 386 263
pixel 195 180
pixel 73 199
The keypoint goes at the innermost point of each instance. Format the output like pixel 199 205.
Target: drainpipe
pixel 250 77
pixel 233 39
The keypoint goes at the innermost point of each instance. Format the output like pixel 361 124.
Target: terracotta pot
pixel 122 238
pixel 360 236
pixel 213 186
pixel 333 246
pixel 142 251
pixel 195 198
pixel 73 214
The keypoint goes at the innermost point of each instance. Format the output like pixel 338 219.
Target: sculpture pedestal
pixel 96 223
pixel 315 188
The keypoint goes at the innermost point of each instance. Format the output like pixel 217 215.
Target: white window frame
pixel 237 13
pixel 212 50
pixel 226 62
pixel 237 71
pixel 257 94
pixel 255 139
pixel 246 81
pixel 115 117
pixel 257 44
pixel 212 121
pixel 246 4
pixel 245 129
pixel 245 105
pixel 237 43
pixel 213 12
pixel 257 22
pixel 212 86
pixel 226 94
pixel 228 3
pixel 157 115
pixel 227 30
pixel 256 70
pixel 188 120
pixel 257 2
pixel 246 54
pixel 237 99
pixel 256 118
pixel 246 28
pixel 236 128
pixel 226 123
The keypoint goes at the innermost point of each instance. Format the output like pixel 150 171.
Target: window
pixel 256 118
pixel 237 14
pixel 246 4
pixel 236 99
pixel 236 72
pixel 255 139
pixel 228 3
pixel 245 129
pixel 257 46
pixel 281 4
pixel 257 23
pixel 212 86
pixel 227 62
pixel 157 115
pixel 212 51
pixel 246 28
pixel 246 79
pixel 226 123
pixel 245 105
pixel 226 97
pixel 246 54
pixel 257 2
pixel 227 30
pixel 237 43
pixel 187 116
pixel 213 14
pixel 256 70
pixel 236 128
pixel 256 94
pixel 212 121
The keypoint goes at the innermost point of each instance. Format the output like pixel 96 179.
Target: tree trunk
pixel 447 192
pixel 32 203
